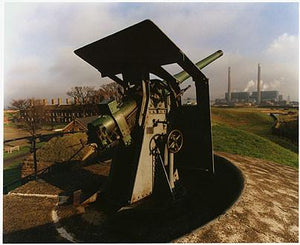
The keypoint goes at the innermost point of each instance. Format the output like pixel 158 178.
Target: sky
pixel 40 39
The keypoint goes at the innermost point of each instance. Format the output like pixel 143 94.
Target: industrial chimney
pixel 229 86
pixel 258 86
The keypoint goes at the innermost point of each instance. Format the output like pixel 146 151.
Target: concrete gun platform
pixel 267 210
pixel 249 200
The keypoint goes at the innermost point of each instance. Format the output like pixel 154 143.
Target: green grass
pixel 61 149
pixel 247 119
pixel 23 149
pixel 241 142
pixel 253 121
pixel 12 173
pixel 247 132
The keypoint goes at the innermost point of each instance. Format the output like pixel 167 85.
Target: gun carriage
pixel 152 135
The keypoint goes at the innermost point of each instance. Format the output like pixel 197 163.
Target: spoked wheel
pixel 154 142
pixel 175 141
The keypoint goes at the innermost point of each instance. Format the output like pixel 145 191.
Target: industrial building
pixel 268 95
pixel 238 96
pixel 257 97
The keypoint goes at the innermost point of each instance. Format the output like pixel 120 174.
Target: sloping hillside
pixel 247 131
pixel 60 149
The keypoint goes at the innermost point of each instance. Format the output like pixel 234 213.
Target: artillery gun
pixel 152 135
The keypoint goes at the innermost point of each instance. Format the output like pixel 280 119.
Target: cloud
pixel 39 58
pixel 282 63
pixel 284 49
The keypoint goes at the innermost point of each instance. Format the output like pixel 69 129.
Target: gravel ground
pixel 267 210
pixel 28 219
pixel 37 187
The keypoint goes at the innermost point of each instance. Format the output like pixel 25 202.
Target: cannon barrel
pixel 103 130
pixel 183 75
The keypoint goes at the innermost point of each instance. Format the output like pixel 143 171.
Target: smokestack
pixel 258 86
pixel 52 101
pixel 229 86
pixel 59 101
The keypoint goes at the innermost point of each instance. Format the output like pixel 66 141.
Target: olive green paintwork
pixel 183 75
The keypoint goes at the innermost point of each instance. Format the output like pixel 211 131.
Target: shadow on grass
pixel 11 175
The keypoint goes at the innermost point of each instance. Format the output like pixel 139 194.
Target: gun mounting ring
pixel 175 141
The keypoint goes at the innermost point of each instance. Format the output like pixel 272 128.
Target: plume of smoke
pixel 249 85
pixel 264 86
pixel 274 85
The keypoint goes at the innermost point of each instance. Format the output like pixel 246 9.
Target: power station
pixel 258 97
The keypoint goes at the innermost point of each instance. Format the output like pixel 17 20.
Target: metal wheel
pixel 154 142
pixel 175 141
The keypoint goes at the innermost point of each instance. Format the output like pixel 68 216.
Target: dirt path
pixel 267 210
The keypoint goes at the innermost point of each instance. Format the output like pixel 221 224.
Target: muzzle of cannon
pixel 152 135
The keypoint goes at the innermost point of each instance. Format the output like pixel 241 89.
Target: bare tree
pixel 20 104
pixel 34 116
pixel 82 94
pixel 88 95
pixel 111 91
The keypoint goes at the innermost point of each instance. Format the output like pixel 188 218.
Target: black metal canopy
pixel 141 48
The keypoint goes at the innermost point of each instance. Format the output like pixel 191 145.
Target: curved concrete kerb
pixel 60 229
pixel 32 195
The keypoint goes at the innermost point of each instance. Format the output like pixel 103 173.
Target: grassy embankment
pixel 11 174
pixel 12 171
pixel 13 161
pixel 247 131
pixel 243 131
pixel 57 149
pixel 61 149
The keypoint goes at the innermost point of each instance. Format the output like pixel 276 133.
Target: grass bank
pixel 61 149
pixel 11 174
pixel 23 150
pixel 248 132
pixel 241 142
